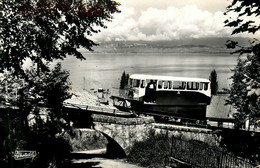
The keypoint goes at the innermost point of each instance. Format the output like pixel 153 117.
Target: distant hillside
pixel 204 45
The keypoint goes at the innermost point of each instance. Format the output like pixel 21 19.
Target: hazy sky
pixel 166 20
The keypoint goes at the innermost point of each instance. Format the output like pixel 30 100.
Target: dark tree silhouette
pixel 245 88
pixel 46 30
pixel 214 83
pixel 124 80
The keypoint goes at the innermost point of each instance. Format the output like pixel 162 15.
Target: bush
pixel 151 152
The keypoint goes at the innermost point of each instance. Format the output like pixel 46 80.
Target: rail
pixel 95 109
pixel 199 155
pixel 123 93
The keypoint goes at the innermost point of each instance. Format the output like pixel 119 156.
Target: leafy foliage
pixel 33 95
pixel 10 85
pixel 47 89
pixel 243 9
pixel 151 152
pixel 45 30
pixel 241 144
pixel 42 31
pixel 47 139
pixel 50 88
pixel 245 89
pixel 214 82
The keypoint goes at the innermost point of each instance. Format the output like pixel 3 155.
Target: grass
pixel 151 152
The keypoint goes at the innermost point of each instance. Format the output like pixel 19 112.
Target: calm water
pixel 105 69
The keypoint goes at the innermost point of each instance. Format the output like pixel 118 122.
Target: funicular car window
pixel 165 85
pixel 183 85
pixel 192 85
pixel 169 84
pixel 178 85
pixel 130 82
pixel 142 84
pixel 160 83
pixel 189 85
pixel 197 85
pixel 201 86
pixel 136 83
pixel 206 85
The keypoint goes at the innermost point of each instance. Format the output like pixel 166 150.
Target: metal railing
pixel 95 108
pixel 200 155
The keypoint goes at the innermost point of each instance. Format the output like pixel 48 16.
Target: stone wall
pixel 86 139
pixel 204 135
pixel 125 131
pixel 121 120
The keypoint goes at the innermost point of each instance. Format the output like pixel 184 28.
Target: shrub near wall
pixel 151 152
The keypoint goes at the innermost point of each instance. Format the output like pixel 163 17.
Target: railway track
pixel 159 118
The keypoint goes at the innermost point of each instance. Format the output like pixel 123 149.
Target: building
pixel 220 114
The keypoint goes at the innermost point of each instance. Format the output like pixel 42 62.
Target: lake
pixel 105 69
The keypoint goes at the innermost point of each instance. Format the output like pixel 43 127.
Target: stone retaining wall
pixel 121 120
pixel 189 133
pixel 126 131
pixel 86 139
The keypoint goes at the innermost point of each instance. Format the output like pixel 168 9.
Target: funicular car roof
pixel 167 78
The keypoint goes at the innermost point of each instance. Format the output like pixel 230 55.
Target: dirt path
pixel 103 163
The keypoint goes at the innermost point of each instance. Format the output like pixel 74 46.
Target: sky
pixel 155 20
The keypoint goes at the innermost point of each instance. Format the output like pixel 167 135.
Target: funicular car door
pixel 142 88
